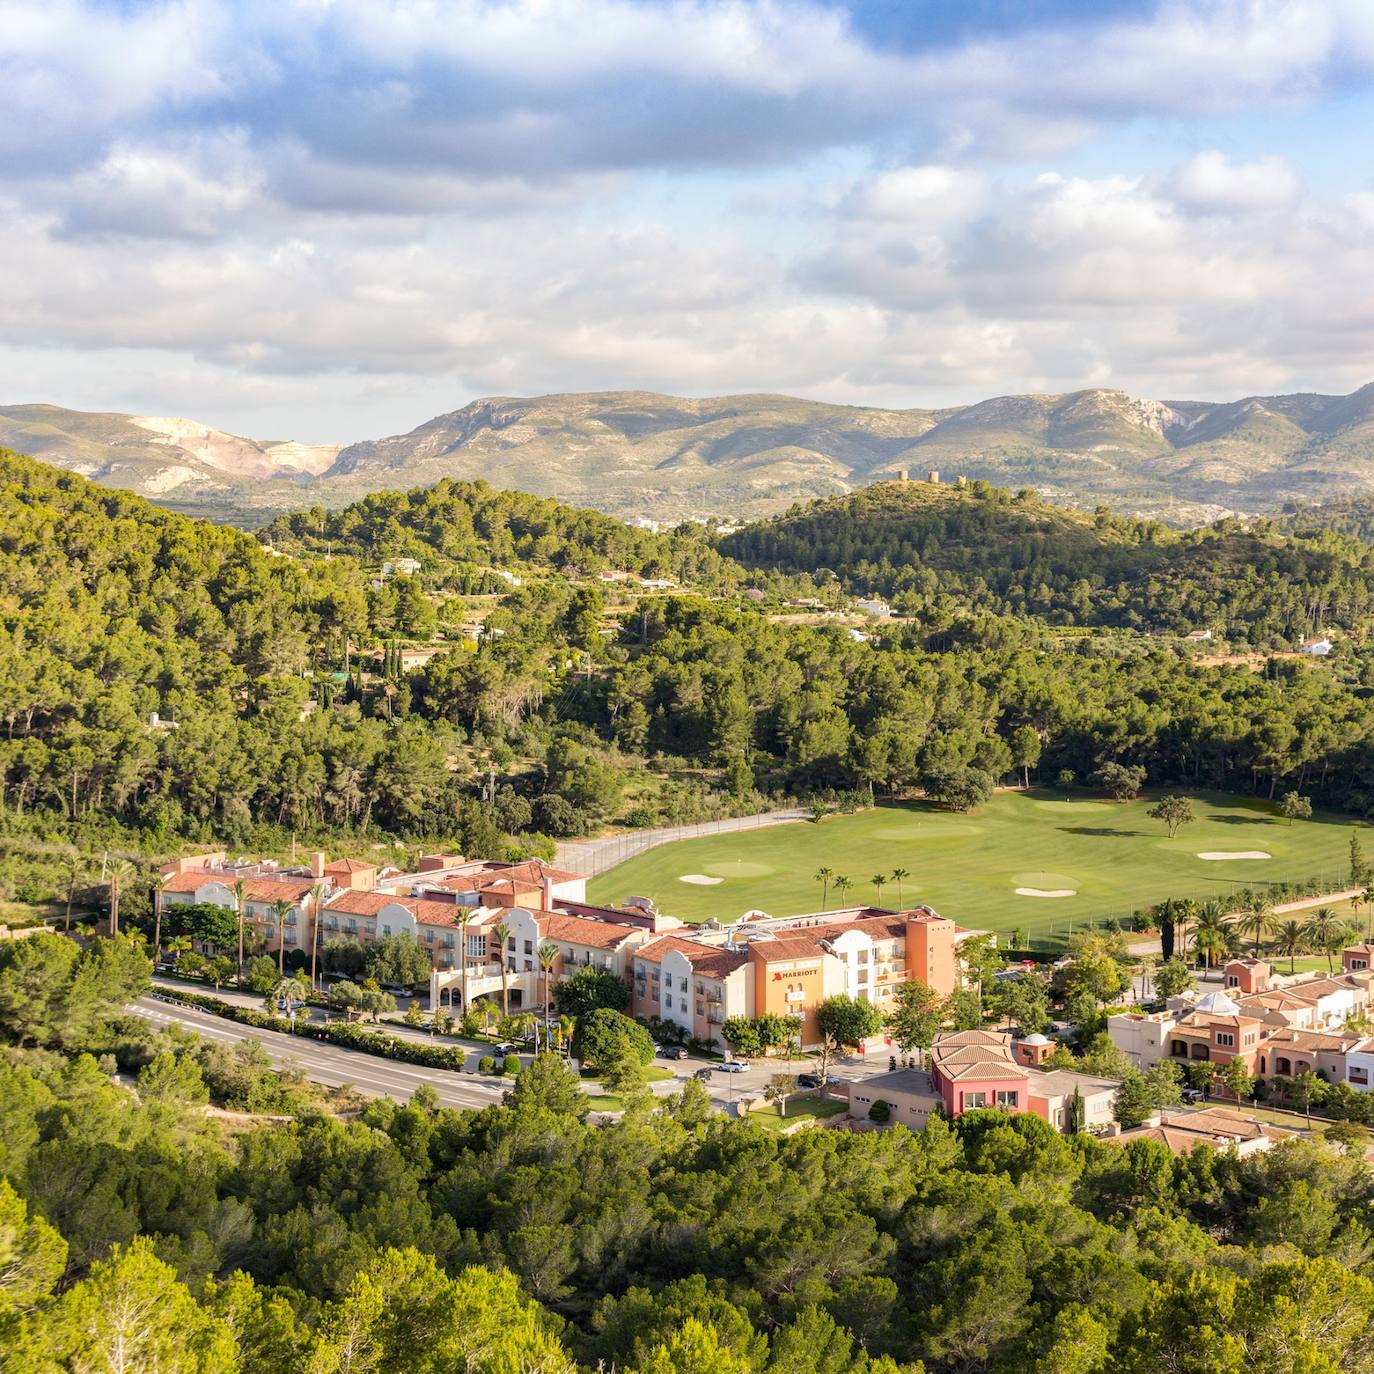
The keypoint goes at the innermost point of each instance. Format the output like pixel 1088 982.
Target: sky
pixel 329 220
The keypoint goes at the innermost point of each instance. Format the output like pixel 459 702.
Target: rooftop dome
pixel 1218 1004
pixel 1036 1039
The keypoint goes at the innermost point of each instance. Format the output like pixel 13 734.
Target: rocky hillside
pixel 172 460
pixel 639 453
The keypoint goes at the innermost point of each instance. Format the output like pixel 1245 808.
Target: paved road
pixel 330 1064
pixel 374 1076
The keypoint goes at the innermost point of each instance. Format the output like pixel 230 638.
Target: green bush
pixel 486 1064
pixel 510 1066
pixel 880 1111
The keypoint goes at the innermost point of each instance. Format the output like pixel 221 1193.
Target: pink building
pixel 973 1069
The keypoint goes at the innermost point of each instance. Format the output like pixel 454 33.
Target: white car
pixel 733 1066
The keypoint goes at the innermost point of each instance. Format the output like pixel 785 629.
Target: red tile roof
pixel 975 1054
pixel 350 866
pixel 362 903
pixel 786 951
pixel 580 930
pixel 710 961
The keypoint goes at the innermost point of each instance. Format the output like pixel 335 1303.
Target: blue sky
pixel 331 219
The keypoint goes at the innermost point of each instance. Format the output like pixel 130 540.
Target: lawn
pixel 799 1109
pixel 1113 859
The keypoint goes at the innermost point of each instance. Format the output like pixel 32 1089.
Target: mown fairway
pixel 1113 857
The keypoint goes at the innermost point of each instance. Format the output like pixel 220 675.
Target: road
pixel 377 1077
pixel 593 857
pixel 329 1064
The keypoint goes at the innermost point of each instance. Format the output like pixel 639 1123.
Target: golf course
pixel 1032 860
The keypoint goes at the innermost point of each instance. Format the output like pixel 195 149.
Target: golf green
pixel 1113 858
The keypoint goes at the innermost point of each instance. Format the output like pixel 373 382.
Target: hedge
pixel 349 1035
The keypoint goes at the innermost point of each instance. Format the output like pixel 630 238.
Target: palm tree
pixel 317 895
pixel 1290 938
pixel 463 917
pixel 899 875
pixel 823 876
pixel 76 868
pixel 842 884
pixel 878 880
pixel 501 932
pixel 547 954
pixel 1369 904
pixel 120 873
pixel 240 897
pixel 159 891
pixel 1255 920
pixel 1209 931
pixel 178 945
pixel 280 910
pixel 1324 929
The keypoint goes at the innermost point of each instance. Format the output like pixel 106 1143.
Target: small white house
pixel 1318 648
pixel 874 608
pixel 400 567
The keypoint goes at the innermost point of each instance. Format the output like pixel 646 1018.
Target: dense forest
pixel 141 1232
pixel 472 524
pixel 937 549
pixel 1353 518
pixel 179 682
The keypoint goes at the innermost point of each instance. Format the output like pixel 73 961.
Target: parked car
pixel 505 1047
pixel 733 1066
pixel 672 1052
pixel 1194 1095
pixel 813 1080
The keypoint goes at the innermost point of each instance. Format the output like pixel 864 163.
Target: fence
pixel 591 857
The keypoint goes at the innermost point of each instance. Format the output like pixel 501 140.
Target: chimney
pixel 933 476
pixel 547 886
pixel 317 865
pixel 902 474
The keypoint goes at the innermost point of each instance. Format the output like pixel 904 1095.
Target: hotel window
pixel 529 947
pixel 1225 1038
pixel 972 1100
pixel 510 945
pixel 863 956
pixel 700 1009
pixel 1006 1098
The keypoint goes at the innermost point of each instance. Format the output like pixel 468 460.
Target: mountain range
pixel 667 457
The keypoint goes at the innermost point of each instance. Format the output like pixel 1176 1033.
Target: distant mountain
pixel 639 453
pixel 168 459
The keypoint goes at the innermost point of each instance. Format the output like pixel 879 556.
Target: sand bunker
pixel 1043 892
pixel 1235 854
pixel 700 879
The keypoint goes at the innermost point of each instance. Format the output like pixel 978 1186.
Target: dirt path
pixel 590 857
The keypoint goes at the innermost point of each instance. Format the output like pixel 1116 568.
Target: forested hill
pixel 982 548
pixel 472 522
pixel 1353 518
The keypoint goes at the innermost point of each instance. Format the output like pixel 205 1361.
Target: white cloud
pixel 345 201
pixel 1209 183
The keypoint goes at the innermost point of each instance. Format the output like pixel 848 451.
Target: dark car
pixel 1194 1095
pixel 673 1052
pixel 813 1080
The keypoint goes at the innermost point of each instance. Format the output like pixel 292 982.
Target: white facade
pixel 1141 1038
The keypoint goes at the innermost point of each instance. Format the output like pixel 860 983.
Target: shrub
pixel 510 1066
pixel 486 1064
pixel 880 1111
